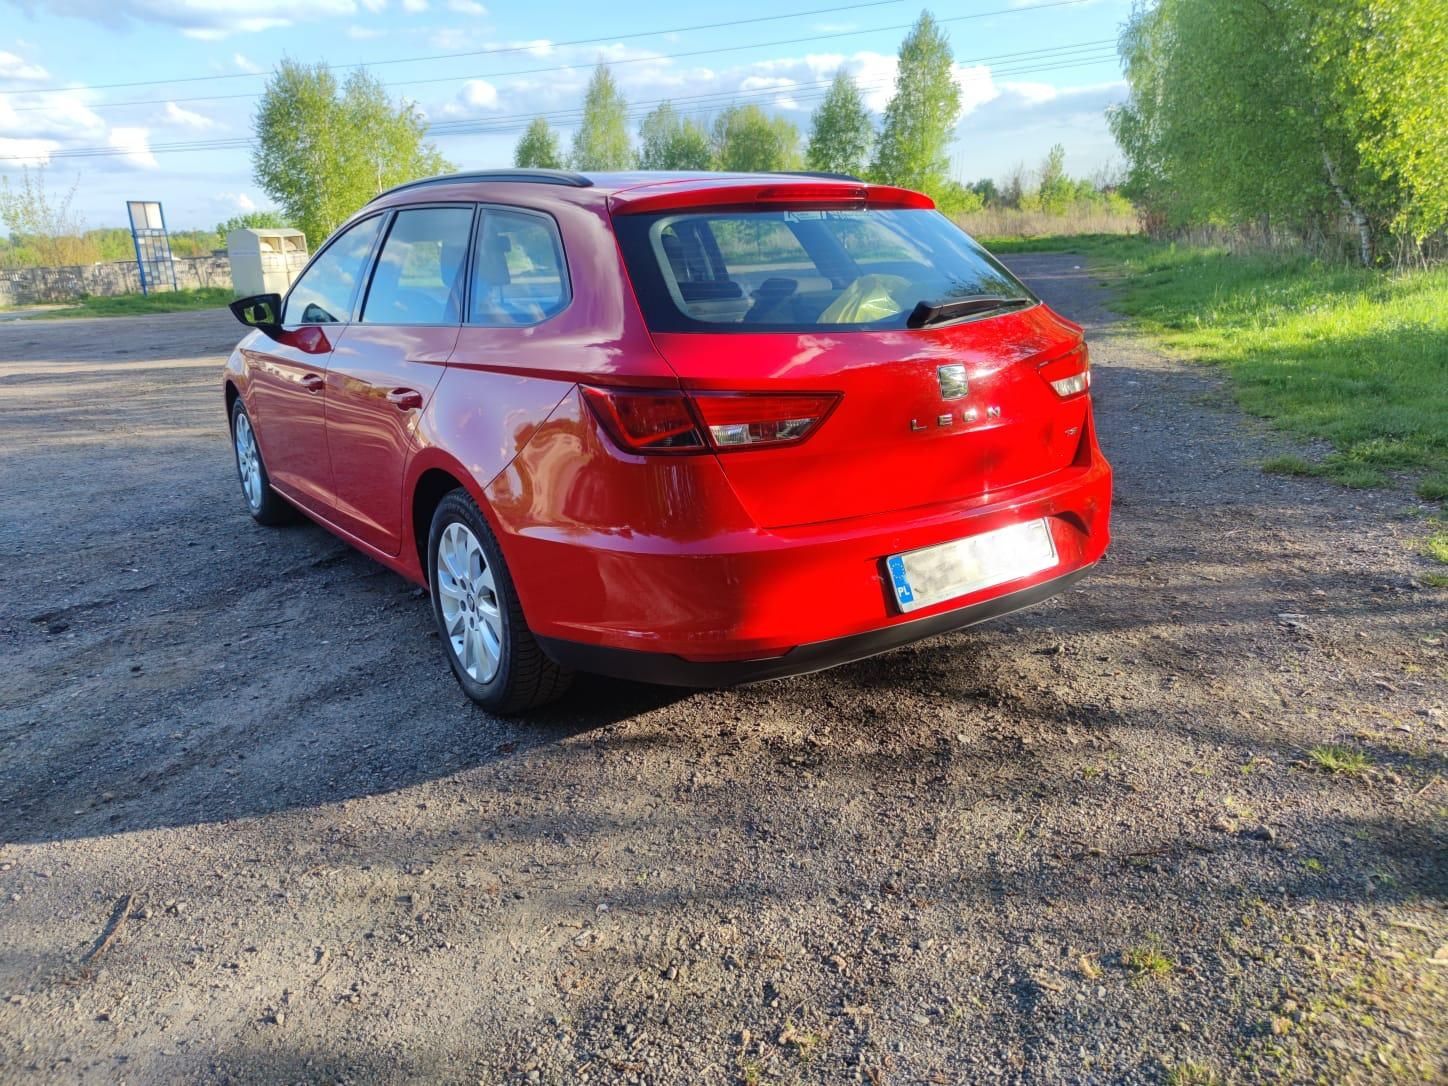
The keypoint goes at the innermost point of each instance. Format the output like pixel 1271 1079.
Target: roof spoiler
pixel 800 192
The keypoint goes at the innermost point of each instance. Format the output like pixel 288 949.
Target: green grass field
pixel 1357 360
pixel 130 305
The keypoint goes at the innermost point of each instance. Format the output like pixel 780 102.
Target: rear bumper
pixel 728 606
pixel 667 669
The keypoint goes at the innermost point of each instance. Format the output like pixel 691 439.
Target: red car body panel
pixel 371 422
pixel 866 458
pixel 741 555
pixel 285 385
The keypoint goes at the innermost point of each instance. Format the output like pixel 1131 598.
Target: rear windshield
pixel 801 271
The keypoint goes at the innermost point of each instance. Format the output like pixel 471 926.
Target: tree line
pixel 43 230
pixel 909 149
pixel 1297 116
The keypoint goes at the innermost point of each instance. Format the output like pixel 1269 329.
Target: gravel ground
pixel 250 830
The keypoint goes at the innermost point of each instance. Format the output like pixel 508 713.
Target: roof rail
pixel 534 177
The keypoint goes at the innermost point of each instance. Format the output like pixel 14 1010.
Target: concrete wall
pixel 30 286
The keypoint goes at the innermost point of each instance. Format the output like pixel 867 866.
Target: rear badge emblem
pixel 953 384
pixel 969 415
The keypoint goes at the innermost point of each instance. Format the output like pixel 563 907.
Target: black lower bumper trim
pixel 666 669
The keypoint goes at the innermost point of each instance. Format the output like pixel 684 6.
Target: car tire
pixel 264 504
pixel 488 643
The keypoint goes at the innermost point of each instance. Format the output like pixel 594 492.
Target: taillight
pixel 654 421
pixel 1069 375
pixel 660 421
pixel 742 420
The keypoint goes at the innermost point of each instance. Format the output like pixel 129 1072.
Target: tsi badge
pixel 954 386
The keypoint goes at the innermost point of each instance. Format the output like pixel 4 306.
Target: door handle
pixel 405 399
pixel 312 383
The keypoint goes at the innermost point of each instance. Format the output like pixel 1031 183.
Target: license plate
pixel 932 574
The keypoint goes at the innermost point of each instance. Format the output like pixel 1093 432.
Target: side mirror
pixel 261 311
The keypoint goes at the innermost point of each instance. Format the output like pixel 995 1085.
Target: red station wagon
pixel 697 430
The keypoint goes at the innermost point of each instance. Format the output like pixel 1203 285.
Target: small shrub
pixel 1148 960
pixel 1341 760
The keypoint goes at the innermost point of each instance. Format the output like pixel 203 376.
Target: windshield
pixel 804 271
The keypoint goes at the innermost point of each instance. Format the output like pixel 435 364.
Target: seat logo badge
pixel 953 384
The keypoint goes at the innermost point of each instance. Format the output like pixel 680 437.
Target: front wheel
pixel 264 504
pixel 479 621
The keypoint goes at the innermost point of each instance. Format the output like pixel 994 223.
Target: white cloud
pixel 13 66
pixel 976 87
pixel 236 201
pixel 475 94
pixel 15 153
pixel 246 64
pixel 467 7
pixel 134 145
pixel 254 25
pixel 364 33
pixel 1025 119
pixel 756 83
pixel 374 6
pixel 205 20
pixel 185 118
pixel 414 7
pixel 61 115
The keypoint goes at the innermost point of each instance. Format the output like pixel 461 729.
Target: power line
pixel 1067 57
pixel 497 126
pixel 495 51
pixel 612 64
pixel 1025 61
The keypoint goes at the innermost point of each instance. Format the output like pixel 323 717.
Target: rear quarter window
pixel 519 273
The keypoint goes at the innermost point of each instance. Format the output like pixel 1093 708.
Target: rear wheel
pixel 264 504
pixel 479 621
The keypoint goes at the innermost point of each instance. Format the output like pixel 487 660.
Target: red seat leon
pixel 697 430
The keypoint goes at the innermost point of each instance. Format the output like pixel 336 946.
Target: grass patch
pixel 806 1042
pixel 1436 546
pixel 1352 357
pixel 1341 760
pixel 1102 246
pixel 1289 465
pixel 132 305
pixel 1148 960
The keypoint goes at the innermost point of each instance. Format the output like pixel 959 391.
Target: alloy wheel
pixel 248 461
pixel 468 596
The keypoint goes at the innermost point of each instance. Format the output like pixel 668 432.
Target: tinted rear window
pixel 802 271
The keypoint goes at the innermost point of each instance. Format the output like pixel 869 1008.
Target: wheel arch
pixel 433 478
pixel 232 395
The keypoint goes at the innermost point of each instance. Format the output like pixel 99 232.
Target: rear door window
pixel 420 271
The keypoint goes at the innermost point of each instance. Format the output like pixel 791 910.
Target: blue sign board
pixel 153 245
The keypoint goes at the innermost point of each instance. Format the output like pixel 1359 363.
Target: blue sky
pixel 1032 73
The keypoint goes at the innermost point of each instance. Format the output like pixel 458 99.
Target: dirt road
pixel 251 831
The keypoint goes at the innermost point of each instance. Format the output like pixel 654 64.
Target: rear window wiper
pixel 928 313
